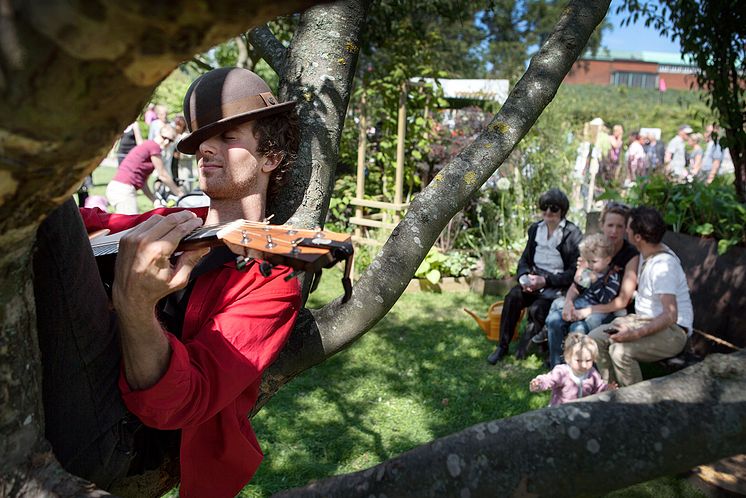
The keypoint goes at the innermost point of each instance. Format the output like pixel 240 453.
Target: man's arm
pixel 144 274
pixel 665 319
pixel 164 175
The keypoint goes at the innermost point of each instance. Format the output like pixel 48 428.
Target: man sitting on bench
pixel 663 308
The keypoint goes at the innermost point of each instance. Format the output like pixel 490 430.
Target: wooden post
pixel 361 144
pixel 401 134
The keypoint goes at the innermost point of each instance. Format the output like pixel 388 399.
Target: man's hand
pixel 625 333
pixel 144 274
pixel 581 314
pixel 568 311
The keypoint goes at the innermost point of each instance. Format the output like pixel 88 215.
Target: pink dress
pixel 566 386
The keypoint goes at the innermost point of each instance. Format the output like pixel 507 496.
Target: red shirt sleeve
pixel 96 219
pixel 226 356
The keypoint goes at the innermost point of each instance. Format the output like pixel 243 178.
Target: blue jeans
pixel 557 328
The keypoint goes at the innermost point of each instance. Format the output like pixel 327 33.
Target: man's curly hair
pixel 278 135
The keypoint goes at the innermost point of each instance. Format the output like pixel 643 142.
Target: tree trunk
pixel 72 76
pixel 587 448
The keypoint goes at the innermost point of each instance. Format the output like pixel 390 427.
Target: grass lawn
pixel 418 375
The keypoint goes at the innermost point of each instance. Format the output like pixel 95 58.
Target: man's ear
pixel 272 162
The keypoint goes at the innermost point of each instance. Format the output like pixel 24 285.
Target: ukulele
pixel 300 249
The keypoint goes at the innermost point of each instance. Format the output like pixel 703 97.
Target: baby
pixel 598 283
pixel 577 377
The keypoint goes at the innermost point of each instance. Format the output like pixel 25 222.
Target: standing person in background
pixel 130 138
pixel 656 152
pixel 161 112
pixel 134 171
pixel 675 158
pixel 696 155
pixel 150 114
pixel 637 160
pixel 170 154
pixel 712 156
pixel 545 270
pixel 611 162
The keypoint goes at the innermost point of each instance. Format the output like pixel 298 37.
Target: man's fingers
pixel 184 266
pixel 162 234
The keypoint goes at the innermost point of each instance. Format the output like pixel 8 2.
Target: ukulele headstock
pixel 299 249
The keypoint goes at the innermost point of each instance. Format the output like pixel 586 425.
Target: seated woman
pixel 625 260
pixel 545 270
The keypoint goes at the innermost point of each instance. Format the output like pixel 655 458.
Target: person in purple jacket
pixel 576 378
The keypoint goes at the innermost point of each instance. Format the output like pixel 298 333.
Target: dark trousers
pixel 516 300
pixel 85 419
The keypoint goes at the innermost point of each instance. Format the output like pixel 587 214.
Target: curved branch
pixel 387 277
pixel 269 48
pixel 576 449
pixel 322 333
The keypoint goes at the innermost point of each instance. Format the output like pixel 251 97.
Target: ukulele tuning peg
pixel 241 262
pixel 292 275
pixel 265 269
pixel 244 237
pixel 270 243
pixel 294 250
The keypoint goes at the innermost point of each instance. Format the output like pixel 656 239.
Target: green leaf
pixel 433 276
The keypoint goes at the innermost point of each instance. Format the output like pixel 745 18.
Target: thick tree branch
pixel 269 48
pixel 577 449
pixel 85 71
pixel 74 74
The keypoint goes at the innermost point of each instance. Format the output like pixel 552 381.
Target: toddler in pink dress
pixel 577 377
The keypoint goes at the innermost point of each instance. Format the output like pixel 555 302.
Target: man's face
pixel 229 165
pixel 631 237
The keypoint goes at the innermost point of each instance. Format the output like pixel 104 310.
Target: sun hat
pixel 223 98
pixel 685 128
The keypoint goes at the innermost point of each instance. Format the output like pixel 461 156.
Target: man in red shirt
pixel 195 333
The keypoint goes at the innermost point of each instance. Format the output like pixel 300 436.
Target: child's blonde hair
pixel 575 341
pixel 596 245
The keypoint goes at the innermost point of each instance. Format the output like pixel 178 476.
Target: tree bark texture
pixel 318 74
pixel 606 442
pixel 72 76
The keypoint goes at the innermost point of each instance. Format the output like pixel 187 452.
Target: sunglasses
pixel 552 207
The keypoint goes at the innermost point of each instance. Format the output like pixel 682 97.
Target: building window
pixel 636 80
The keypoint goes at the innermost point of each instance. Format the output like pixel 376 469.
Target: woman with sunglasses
pixel 545 271
pixel 135 169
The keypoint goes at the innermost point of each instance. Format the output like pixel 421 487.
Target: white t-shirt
pixel 662 273
pixel 677 149
pixel 547 256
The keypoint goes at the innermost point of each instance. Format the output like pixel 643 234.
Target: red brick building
pixel 657 70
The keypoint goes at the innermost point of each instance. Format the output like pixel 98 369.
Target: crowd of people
pixel 686 156
pixel 579 289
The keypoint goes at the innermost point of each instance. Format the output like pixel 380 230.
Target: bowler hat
pixel 223 98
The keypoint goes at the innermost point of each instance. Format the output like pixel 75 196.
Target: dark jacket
pixel 568 249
